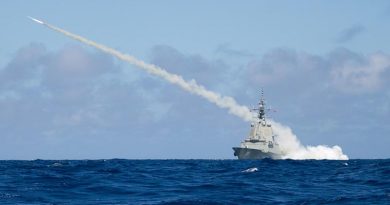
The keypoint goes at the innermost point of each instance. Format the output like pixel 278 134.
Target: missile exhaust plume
pixel 290 145
pixel 35 20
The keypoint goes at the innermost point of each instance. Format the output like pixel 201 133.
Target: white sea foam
pixel 253 169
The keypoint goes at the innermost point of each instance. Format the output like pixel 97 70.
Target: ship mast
pixel 261 108
pixel 261 113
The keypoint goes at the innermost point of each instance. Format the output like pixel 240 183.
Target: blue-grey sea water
pixel 195 182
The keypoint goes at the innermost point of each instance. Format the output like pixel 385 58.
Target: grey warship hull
pixel 247 153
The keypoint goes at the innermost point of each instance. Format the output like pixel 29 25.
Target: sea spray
pixel 289 144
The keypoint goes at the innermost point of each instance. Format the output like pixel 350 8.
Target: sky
pixel 323 65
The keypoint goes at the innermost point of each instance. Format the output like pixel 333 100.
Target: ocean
pixel 118 181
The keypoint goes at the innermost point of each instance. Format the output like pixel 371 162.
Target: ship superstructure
pixel 261 141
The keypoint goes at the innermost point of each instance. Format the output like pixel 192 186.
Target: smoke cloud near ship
pixel 292 148
pixel 290 145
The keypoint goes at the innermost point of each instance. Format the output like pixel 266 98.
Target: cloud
pixel 286 68
pixel 23 67
pixel 354 73
pixel 70 89
pixel 341 69
pixel 74 101
pixel 350 33
pixel 225 49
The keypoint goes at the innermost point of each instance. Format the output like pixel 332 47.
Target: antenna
pixel 262 93
pixel 261 113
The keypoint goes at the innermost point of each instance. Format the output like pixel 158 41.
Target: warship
pixel 261 141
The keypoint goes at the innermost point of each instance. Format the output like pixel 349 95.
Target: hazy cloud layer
pixel 341 69
pixel 358 73
pixel 75 102
pixel 71 95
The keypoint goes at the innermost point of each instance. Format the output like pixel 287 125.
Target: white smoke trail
pixel 290 145
pixel 191 86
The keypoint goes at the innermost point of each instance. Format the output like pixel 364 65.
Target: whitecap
pixel 253 169
pixel 57 164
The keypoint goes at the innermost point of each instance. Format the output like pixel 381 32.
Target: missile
pixel 36 20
